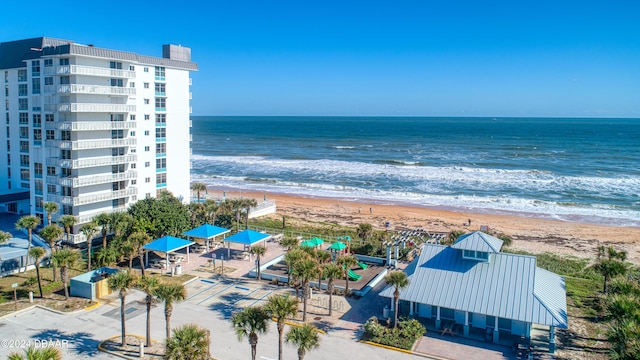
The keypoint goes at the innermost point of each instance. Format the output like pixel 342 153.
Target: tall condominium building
pixel 92 129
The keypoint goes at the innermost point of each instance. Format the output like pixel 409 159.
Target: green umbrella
pixel 316 241
pixel 338 246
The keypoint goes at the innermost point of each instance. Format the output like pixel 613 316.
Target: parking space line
pixel 201 291
pixel 246 296
pixel 263 296
pixel 230 286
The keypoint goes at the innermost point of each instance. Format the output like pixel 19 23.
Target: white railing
pixel 96 89
pixel 98 144
pixel 94 198
pixel 92 125
pixel 94 71
pixel 81 219
pixel 65 200
pixel 102 161
pixel 97 179
pixel 89 107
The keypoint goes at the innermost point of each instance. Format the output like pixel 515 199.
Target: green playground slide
pixel 362 265
pixel 353 276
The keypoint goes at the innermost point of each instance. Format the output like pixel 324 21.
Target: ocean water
pixel 584 170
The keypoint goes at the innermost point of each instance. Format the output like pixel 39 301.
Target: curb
pixel 101 348
pixel 94 306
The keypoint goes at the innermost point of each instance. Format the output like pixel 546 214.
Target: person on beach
pixel 370 210
pixel 359 209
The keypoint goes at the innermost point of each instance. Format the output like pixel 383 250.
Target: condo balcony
pixel 91 125
pixel 91 144
pixel 93 198
pixel 90 107
pixel 92 162
pixel 97 179
pixel 96 89
pixel 91 71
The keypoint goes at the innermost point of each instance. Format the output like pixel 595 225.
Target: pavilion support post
pixel 438 321
pixel 187 254
pixel 552 340
pixel 410 308
pixel 466 324
pixel 496 332
pixel 228 250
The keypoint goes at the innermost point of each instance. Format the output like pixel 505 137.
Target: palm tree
pixel 139 240
pixel 332 272
pixel 50 234
pixel 248 323
pixel 104 221
pixel 89 230
pixel 28 222
pixel 399 281
pixel 258 251
pixel 188 342
pixel 247 204
pixel 128 249
pixel 37 253
pixel 347 262
pixel 119 222
pixel 107 256
pixel 321 257
pixel 281 307
pixel 122 281
pixel 33 353
pixel 291 258
pixel 148 285
pixel 170 293
pixel 4 238
pixel 305 338
pixel 65 259
pixel 289 243
pixel 67 222
pixel 211 208
pixel 305 270
pixel 610 263
pixel 198 187
pixel 364 231
pixel 51 208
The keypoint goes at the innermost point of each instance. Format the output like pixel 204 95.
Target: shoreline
pixel 531 234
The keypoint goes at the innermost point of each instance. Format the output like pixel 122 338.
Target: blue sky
pixel 417 58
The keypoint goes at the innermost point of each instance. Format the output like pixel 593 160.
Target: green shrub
pixel 31 281
pixel 403 337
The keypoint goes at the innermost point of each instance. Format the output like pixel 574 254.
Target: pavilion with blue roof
pixel 206 232
pixel 247 238
pixel 473 285
pixel 167 245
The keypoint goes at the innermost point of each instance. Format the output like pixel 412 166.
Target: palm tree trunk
pixel 104 239
pixel 167 317
pixel 253 341
pixel 26 262
pixel 330 288
pixel 148 320
pixel 301 354
pixel 280 334
pixel 38 275
pixel 63 275
pixel 305 294
pixel 122 323
pixel 142 264
pixel 89 254
pixel 396 296
pixel 130 263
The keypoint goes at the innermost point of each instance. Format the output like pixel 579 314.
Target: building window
pixel 161 163
pixel 146 133
pixel 37 170
pixel 65 80
pixel 134 181
pixel 132 133
pixel 160 88
pixel 24 185
pixel 159 72
pixel 22 75
pixel 23 90
pixel 51 189
pixel 147 179
pixel 161 179
pixel 146 85
pixel 117 134
pixel 65 135
pixel 23 104
pixel 132 68
pixel 117 82
pixel 37 120
pixel 51 170
pixel 161 119
pixel 64 61
pixel 147 164
pixel 24 118
pixel 147 116
pixel 146 101
pixel 24 160
pixel 35 68
pixel 24 132
pixel 161 148
pixel 115 65
pixel 50 135
pixel 116 169
pixel 161 103
pixel 48 80
pixel 6 90
pixel 66 172
pixel 132 117
pixel 132 84
pixel 65 154
pixel 119 151
pixel 48 62
pixel 117 117
pixel 133 165
pixel 118 202
pixel 37 136
pixel 24 146
pixel 24 174
pixel 39 188
pixel 146 69
pixel 35 85
pixel 49 117
pixel 146 148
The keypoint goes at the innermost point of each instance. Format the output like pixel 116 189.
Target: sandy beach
pixel 530 234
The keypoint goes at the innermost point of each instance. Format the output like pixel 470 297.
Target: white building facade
pixel 94 129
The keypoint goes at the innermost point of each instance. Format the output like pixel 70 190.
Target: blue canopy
pixel 167 244
pixel 206 231
pixel 247 237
